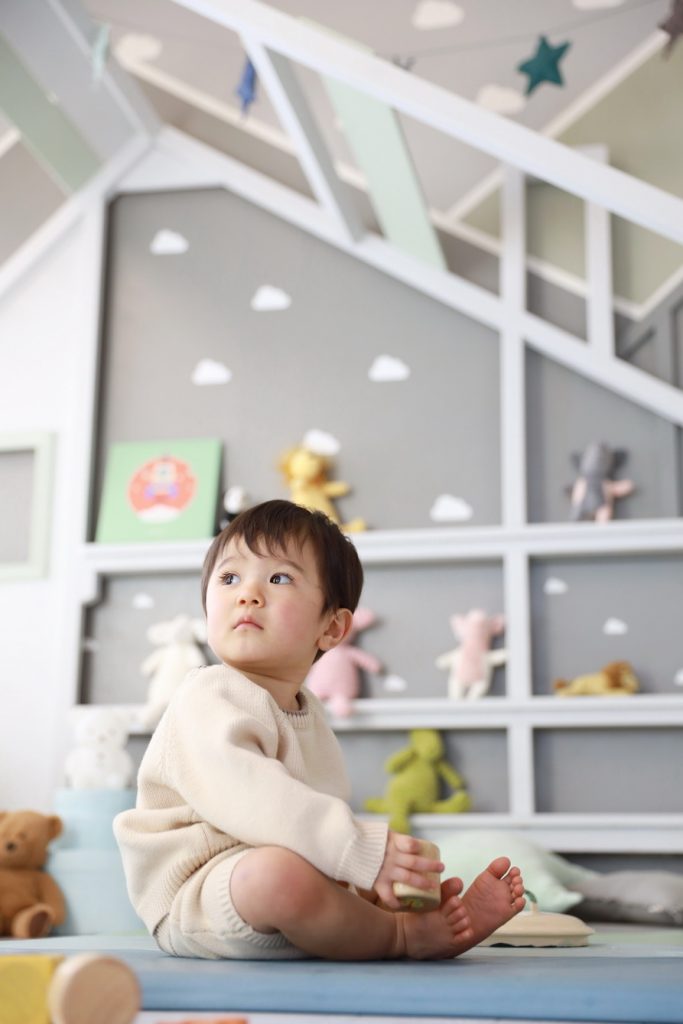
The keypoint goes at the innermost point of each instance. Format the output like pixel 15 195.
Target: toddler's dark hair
pixel 274 524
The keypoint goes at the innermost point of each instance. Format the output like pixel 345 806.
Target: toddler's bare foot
pixel 438 934
pixel 493 898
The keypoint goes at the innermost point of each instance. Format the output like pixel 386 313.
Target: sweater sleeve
pixel 252 795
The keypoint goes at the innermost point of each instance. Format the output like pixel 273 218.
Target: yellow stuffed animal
pixel 418 771
pixel 306 474
pixel 31 902
pixel 614 680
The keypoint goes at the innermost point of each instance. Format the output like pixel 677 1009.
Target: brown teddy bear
pixel 31 902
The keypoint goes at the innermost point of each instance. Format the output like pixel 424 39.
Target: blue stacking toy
pixel 86 864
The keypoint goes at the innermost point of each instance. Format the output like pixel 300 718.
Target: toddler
pixel 242 843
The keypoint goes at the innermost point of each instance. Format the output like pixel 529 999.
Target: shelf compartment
pixel 640 773
pixel 606 613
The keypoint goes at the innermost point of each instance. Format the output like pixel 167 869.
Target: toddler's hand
pixel 404 863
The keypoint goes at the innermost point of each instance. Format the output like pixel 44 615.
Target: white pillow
pixel 546 875
pixel 641 897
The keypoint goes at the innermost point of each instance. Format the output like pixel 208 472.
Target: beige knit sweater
pixel 228 768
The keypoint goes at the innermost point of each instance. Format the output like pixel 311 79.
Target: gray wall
pixel 402 445
pixel 298 369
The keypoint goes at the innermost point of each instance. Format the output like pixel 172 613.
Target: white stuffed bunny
pixel 100 759
pixel 177 652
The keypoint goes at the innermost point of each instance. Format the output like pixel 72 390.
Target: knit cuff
pixel 363 857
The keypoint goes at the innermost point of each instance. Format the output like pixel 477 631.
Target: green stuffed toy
pixel 418 771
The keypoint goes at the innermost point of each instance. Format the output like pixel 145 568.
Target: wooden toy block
pixel 412 898
pixel 24 984
pixel 91 988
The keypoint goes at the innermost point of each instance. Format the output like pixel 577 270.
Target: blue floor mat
pixel 613 982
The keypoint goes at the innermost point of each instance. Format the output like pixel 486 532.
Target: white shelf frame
pixel 437 544
pixel 403 713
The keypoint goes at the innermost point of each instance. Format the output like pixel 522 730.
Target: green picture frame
pixel 160 491
pixel 36 520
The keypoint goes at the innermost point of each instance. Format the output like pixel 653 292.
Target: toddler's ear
pixel 337 629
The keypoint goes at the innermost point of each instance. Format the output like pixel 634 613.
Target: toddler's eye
pixel 281 577
pixel 229 577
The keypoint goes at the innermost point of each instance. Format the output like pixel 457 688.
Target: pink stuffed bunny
pixel 335 677
pixel 472 663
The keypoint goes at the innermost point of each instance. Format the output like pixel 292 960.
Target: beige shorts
pixel 203 921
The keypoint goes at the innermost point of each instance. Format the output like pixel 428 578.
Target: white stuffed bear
pixel 177 653
pixel 99 760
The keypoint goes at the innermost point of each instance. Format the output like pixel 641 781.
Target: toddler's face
pixel 264 611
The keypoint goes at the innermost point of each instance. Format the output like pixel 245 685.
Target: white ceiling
pixel 483 49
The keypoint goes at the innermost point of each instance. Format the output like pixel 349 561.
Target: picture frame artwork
pixel 24 547
pixel 160 491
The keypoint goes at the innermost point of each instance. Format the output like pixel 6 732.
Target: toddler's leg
pixel 275 890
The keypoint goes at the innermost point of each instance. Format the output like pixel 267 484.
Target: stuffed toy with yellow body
pixel 418 771
pixel 306 474
pixel 31 902
pixel 614 680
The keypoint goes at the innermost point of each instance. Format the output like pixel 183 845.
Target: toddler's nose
pixel 251 594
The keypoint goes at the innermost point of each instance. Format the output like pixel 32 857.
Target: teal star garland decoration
pixel 544 65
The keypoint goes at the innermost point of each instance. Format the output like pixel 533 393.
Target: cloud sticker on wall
pixel 387 369
pixel 269 299
pixel 615 627
pixel 433 14
pixel 208 371
pixel 678 678
pixel 169 243
pixel 500 100
pixel 394 684
pixel 554 586
pixel 449 509
pixel 142 601
pixel 321 442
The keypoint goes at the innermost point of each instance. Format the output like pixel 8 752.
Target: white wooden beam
pixel 77 463
pixel 517 623
pixel 598 249
pixel 285 93
pixel 512 350
pixel 520 762
pixel 438 108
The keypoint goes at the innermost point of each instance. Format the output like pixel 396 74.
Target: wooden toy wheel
pixel 91 987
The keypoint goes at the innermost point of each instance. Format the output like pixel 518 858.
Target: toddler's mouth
pixel 247 624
